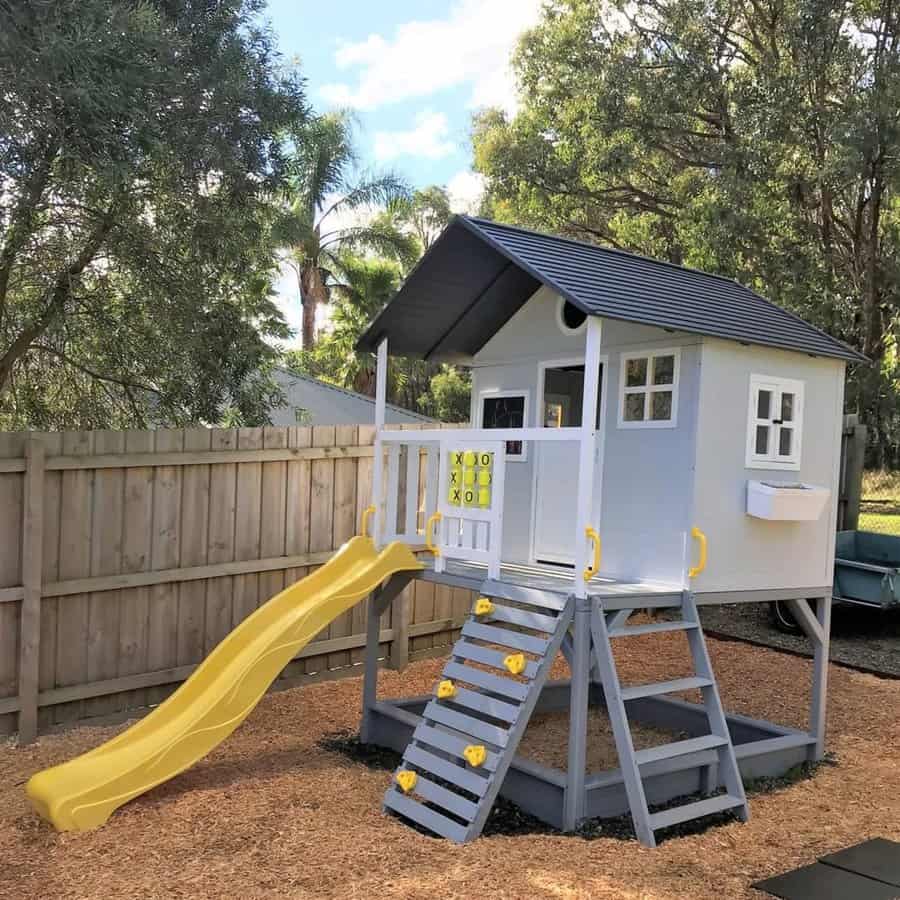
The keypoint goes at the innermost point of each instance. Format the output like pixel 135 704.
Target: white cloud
pixel 466 190
pixel 470 46
pixel 428 138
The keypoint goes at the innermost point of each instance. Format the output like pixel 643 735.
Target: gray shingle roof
pixel 454 300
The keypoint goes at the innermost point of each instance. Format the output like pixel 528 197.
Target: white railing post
pixel 381 375
pixel 587 452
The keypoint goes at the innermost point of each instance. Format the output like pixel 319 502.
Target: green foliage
pixel 424 214
pixel 140 148
pixel 756 140
pixel 360 288
pixel 322 188
pixel 449 394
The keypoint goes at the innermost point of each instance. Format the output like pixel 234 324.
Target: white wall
pixel 648 472
pixel 509 361
pixel 746 553
pixel 645 482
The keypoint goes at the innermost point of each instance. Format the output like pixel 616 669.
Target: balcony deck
pixel 556 581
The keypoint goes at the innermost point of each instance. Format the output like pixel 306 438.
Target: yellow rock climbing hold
pixel 515 662
pixel 446 689
pixel 483 607
pixel 406 780
pixel 475 755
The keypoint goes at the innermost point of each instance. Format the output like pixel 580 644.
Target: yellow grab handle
pixel 693 571
pixel 364 519
pixel 594 567
pixel 429 526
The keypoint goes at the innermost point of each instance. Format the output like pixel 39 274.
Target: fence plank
pixel 162 639
pixel 296 531
pixel 220 540
pixel 344 527
pixel 247 524
pixel 273 511
pixel 104 608
pixel 74 562
pixel 32 546
pixel 321 517
pixel 137 553
pixel 50 572
pixel 194 548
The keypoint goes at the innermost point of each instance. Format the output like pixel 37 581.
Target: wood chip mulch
pixel 274 813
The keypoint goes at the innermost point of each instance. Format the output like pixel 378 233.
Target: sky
pixel 413 73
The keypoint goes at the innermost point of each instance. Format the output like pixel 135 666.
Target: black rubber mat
pixel 821 882
pixel 878 859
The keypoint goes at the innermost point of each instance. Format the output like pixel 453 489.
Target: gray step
pixel 524 618
pixel 462 777
pixel 679 748
pixel 530 596
pixel 440 796
pixel 431 819
pixel 664 687
pixel 695 810
pixel 504 637
pixel 452 744
pixel 651 628
pixel 488 657
pixel 488 706
pixel 466 724
pixel 505 687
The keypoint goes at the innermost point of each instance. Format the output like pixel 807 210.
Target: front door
pixel 556 476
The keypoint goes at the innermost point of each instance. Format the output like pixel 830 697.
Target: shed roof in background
pixel 478 273
pixel 327 404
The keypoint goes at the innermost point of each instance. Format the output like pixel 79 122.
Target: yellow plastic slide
pixel 83 793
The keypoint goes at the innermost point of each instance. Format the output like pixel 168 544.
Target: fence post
pixel 854 459
pixel 30 623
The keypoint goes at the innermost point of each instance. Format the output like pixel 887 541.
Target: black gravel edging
pixel 861 639
pixel 506 818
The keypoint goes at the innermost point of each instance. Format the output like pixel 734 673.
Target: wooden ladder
pixel 450 796
pixel 684 752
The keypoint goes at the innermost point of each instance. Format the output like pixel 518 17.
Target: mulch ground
pixel 277 811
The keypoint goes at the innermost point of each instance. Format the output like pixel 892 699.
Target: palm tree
pixel 309 228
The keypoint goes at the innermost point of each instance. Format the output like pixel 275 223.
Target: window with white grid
pixel 648 392
pixel 774 422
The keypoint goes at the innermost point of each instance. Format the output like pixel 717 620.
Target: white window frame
pixel 649 388
pixel 488 394
pixel 778 386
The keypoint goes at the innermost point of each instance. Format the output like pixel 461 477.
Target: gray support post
pixel 573 809
pixel 370 671
pixel 379 600
pixel 820 678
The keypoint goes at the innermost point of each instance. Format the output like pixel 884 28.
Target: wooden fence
pixel 127 556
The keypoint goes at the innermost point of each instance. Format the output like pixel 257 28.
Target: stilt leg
pixel 573 811
pixel 370 674
pixel 820 678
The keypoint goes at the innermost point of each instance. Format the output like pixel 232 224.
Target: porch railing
pixel 446 488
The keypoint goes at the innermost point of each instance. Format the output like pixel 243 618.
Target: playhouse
pixel 651 436
pixel 642 436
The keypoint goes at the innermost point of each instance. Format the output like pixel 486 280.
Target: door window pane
pixel 787 407
pixel 762 440
pixel 636 372
pixel 505 412
pixel 663 370
pixel 661 406
pixel 634 407
pixel 785 441
pixel 764 405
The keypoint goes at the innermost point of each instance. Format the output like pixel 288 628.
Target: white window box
pixel 788 501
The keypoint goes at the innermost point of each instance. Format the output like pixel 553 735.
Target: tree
pixel 426 213
pixel 755 139
pixel 140 149
pixel 360 288
pixel 323 190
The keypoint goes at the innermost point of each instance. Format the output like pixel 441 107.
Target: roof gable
pixel 478 274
